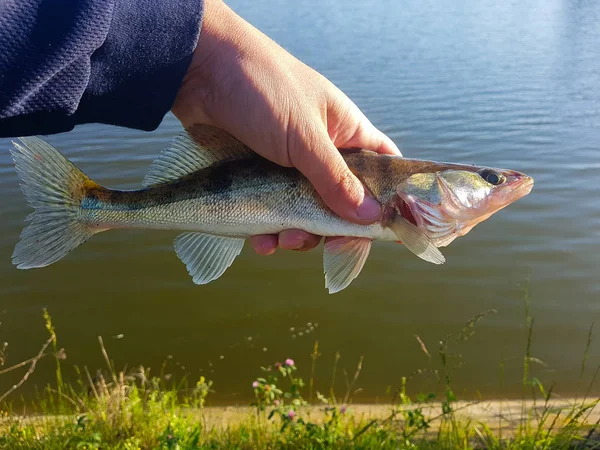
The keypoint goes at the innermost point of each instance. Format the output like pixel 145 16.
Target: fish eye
pixel 492 177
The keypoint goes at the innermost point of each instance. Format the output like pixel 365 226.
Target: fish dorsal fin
pixel 416 241
pixel 207 256
pixel 198 147
pixel 343 259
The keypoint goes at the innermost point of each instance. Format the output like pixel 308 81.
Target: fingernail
pixel 370 209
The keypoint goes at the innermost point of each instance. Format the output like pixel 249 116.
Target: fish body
pixel 219 193
pixel 249 197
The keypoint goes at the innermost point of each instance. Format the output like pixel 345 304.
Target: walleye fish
pixel 219 192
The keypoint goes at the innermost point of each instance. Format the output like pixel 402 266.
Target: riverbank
pixel 132 409
pixel 550 424
pixel 500 416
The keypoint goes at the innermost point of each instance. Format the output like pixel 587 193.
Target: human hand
pixel 243 82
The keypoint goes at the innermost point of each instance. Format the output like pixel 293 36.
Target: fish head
pixel 449 203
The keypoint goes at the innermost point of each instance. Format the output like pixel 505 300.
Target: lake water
pixel 504 84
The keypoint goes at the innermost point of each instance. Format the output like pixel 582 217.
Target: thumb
pixel 321 162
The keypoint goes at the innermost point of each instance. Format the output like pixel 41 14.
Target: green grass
pixel 135 410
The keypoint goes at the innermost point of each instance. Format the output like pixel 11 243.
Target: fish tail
pixel 54 187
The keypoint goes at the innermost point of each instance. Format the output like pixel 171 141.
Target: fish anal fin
pixel 416 241
pixel 196 148
pixel 343 259
pixel 206 256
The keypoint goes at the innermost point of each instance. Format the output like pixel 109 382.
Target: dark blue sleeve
pixel 68 62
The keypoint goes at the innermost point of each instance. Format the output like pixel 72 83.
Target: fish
pixel 218 192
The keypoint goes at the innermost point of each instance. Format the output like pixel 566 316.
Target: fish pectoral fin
pixel 343 259
pixel 416 241
pixel 196 148
pixel 207 256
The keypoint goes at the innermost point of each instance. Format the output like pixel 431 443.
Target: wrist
pixel 207 65
pixel 218 33
pixel 228 53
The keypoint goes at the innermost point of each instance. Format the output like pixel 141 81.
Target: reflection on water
pixel 504 84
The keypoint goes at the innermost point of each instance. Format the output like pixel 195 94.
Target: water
pixel 505 84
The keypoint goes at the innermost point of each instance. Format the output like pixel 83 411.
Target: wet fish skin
pixel 252 196
pixel 220 192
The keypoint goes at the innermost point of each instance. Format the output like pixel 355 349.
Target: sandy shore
pixel 502 417
pixel 507 415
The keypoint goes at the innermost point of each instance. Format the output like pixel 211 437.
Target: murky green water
pixel 505 84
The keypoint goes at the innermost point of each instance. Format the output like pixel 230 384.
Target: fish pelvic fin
pixel 196 148
pixel 343 260
pixel 207 256
pixel 54 187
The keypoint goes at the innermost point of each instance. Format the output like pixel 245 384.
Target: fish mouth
pixel 525 185
pixel 517 185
